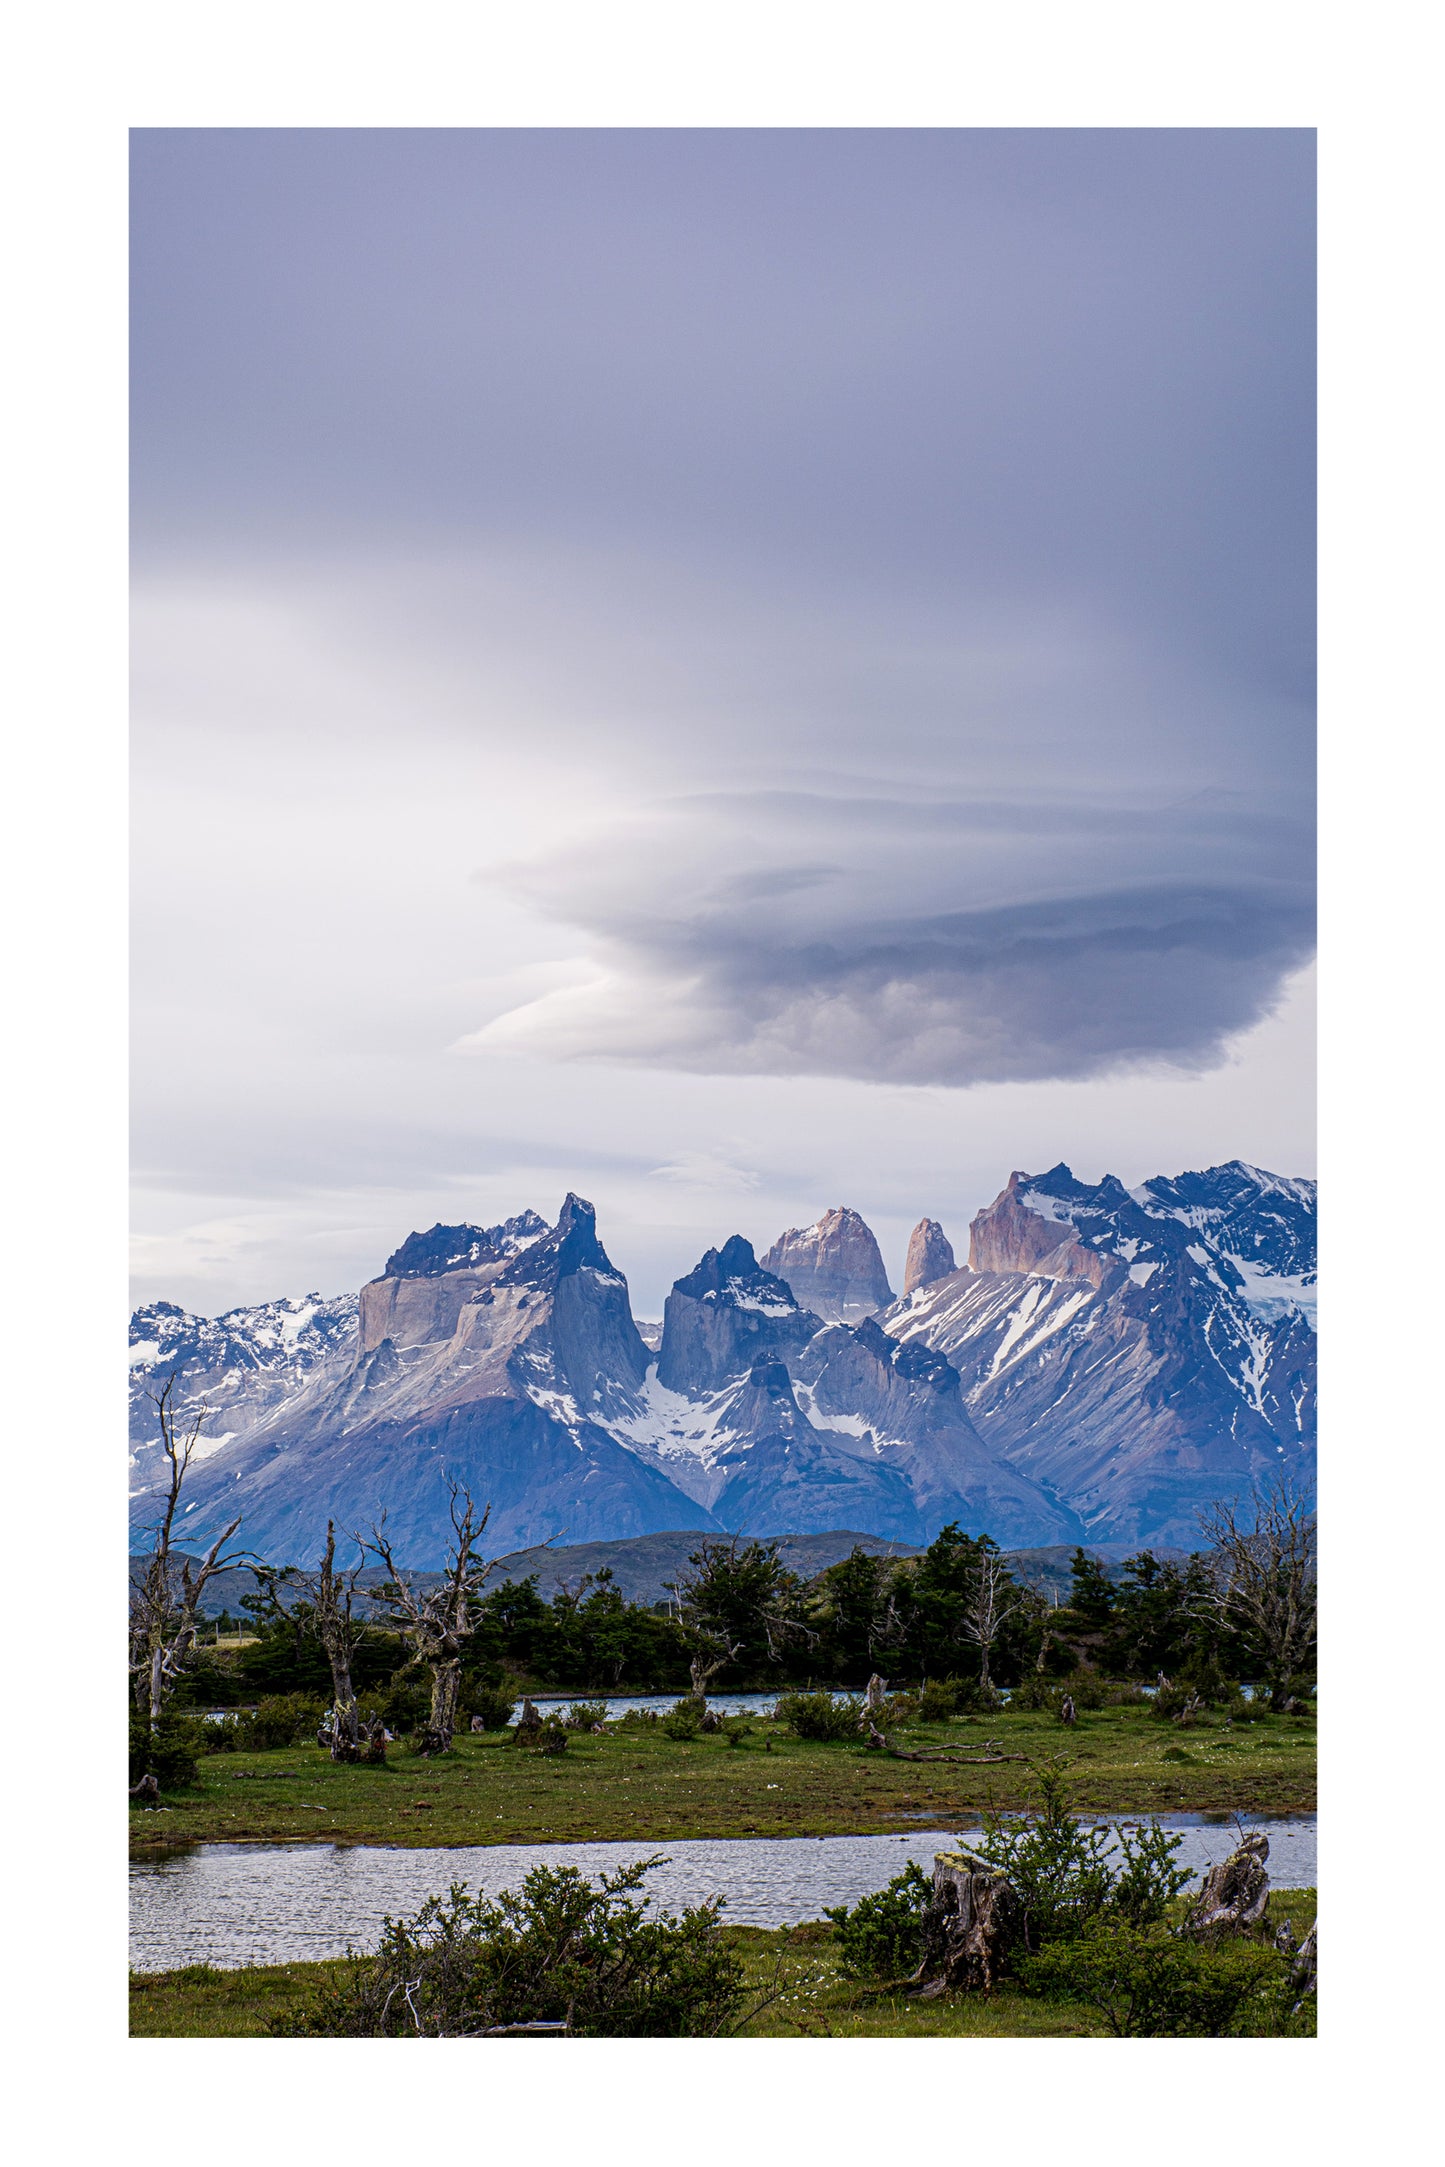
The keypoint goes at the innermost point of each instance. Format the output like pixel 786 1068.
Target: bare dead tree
pixel 331 1595
pixel 164 1602
pixel 993 1597
pixel 438 1621
pixel 1262 1565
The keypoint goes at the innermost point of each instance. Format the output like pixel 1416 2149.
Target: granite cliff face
pixel 1138 1352
pixel 834 1267
pixel 1108 1361
pixel 500 1368
pixel 930 1256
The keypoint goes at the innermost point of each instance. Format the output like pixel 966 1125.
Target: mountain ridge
pixel 1106 1362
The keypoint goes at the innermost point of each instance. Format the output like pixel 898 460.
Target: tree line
pixel 429 1649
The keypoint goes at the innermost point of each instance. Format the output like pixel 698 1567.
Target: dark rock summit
pixel 724 1316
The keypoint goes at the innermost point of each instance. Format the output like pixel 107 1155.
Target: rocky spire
pixel 930 1256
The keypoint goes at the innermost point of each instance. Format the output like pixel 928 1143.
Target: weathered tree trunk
pixel 529 1724
pixel 1235 1892
pixel 1066 1709
pixel 441 1724
pixel 873 1702
pixel 972 1921
pixel 147 1792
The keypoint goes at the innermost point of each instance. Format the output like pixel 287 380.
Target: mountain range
pixel 1106 1362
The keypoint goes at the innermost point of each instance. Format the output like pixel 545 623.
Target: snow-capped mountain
pixel 244 1363
pixel 1105 1363
pixel 1140 1352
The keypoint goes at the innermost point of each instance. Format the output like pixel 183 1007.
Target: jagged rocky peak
pixel 834 1267
pixel 1030 1227
pixel 1262 1221
pixel 460 1248
pixel 597 1350
pixel 930 1256
pixel 725 1315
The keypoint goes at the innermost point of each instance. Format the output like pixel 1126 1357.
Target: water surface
pixel 231 1904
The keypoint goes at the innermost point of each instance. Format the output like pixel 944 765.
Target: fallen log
pixel 984 1756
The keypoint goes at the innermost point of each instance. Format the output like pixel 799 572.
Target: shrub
pixel 938 1701
pixel 638 1719
pixel 404 1704
pixel 735 1729
pixel 1124 1693
pixel 493 1705
pixel 557 1950
pixel 1034 1694
pixel 898 1707
pixel 1151 1984
pixel 583 1714
pixel 169 1753
pixel 1066 1874
pixel 882 1936
pixel 224 1734
pixel 284 1720
pixel 1042 1695
pixel 684 1721
pixel 819 1717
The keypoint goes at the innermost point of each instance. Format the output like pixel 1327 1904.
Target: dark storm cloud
pixel 960 482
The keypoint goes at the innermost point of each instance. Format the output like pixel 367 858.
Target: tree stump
pixel 478 1724
pixel 711 1720
pixel 147 1792
pixel 1066 1709
pixel 873 1704
pixel 1235 1893
pixel 971 1923
pixel 529 1725
pixel 552 1739
pixel 373 1742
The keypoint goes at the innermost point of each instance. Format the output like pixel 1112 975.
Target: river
pixel 233 1904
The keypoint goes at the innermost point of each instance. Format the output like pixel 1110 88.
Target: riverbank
pixel 637 1784
pixel 818 2003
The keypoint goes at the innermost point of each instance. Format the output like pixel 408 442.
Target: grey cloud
pixel 942 943
pixel 1073 988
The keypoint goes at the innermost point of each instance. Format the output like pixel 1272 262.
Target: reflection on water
pixel 230 1904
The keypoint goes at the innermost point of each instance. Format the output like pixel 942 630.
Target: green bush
pixel 882 1936
pixel 583 1714
pixel 684 1721
pixel 938 1701
pixel 405 1703
pixel 558 1950
pixel 638 1719
pixel 819 1717
pixel 493 1704
pixel 1066 1873
pixel 225 1734
pixel 284 1720
pixel 1151 1984
pixel 169 1753
pixel 1036 1694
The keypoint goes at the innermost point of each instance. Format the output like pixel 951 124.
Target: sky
pixel 730 672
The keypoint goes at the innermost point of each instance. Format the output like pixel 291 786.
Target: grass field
pixel 815 2001
pixel 639 1784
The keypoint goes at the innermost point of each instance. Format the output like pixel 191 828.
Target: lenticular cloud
pixel 920 949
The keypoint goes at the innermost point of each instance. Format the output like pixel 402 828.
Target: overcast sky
pixel 731 672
